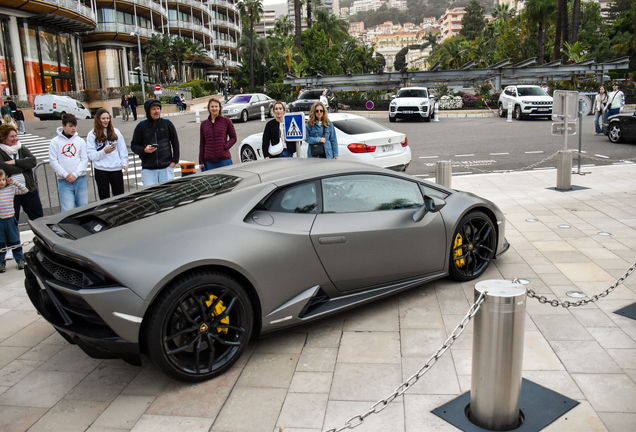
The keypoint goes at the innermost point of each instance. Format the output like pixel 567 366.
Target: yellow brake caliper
pixel 458 251
pixel 218 310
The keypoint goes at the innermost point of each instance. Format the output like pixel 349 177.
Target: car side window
pixel 367 192
pixel 296 199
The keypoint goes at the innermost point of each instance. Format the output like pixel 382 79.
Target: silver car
pixel 245 106
pixel 188 271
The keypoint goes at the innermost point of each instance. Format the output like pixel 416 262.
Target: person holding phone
pixel 107 150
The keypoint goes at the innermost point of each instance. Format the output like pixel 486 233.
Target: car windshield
pixel 531 91
pixel 414 93
pixel 310 94
pixel 240 99
pixel 155 200
pixel 355 126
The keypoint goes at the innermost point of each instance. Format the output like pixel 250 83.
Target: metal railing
pixel 124 28
pixel 191 26
pixel 74 5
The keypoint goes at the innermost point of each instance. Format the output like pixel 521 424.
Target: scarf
pixel 10 150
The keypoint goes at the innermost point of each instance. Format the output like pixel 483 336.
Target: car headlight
pixel 233 110
pixel 424 103
pixel 393 103
pixel 526 102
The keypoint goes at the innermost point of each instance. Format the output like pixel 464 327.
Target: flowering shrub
pixel 470 101
pixel 449 103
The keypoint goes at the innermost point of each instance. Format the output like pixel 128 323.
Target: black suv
pixel 307 98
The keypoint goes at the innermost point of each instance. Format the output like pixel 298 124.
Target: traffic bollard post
pixel 436 113
pixel 198 117
pixel 509 113
pixel 262 114
pixel 443 173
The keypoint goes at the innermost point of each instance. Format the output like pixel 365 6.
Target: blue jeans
pixel 286 153
pixel 72 194
pixel 218 164
pixel 151 177
pixel 611 112
pixel 599 127
pixel 10 236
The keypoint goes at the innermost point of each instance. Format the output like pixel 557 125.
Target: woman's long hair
pixel 100 135
pixel 312 114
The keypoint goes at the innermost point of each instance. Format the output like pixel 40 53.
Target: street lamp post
pixel 264 63
pixel 223 59
pixel 141 67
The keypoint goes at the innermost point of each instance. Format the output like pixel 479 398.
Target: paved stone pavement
pixel 315 377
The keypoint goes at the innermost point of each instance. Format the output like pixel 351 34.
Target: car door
pixel 628 127
pixel 365 235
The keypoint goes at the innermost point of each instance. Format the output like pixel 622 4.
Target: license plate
pixel 387 148
pixel 543 109
pixel 407 112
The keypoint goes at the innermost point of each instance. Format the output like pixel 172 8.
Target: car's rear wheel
pixel 247 154
pixel 200 326
pixel 392 119
pixel 518 114
pixel 473 247
pixel 244 116
pixel 614 133
pixel 502 111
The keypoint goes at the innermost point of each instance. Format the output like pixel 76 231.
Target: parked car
pixel 359 139
pixel 307 98
pixel 621 127
pixel 275 244
pixel 50 106
pixel 412 102
pixel 527 101
pixel 246 106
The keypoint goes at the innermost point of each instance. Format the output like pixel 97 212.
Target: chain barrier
pixel 566 304
pixel 7 249
pixel 357 420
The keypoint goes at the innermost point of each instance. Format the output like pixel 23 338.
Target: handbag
pixel 276 149
pixel 318 149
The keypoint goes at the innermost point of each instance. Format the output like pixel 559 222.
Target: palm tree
pixel 250 11
pixel 541 12
pixel 453 52
pixel 194 50
pixel 367 59
pixel 298 23
pixel 503 12
pixel 336 29
pixel 178 53
pixel 283 27
pixel 310 5
pixel 350 57
pixel 158 49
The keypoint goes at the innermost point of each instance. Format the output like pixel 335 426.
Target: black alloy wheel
pixel 244 116
pixel 247 154
pixel 473 247
pixel 518 114
pixel 614 133
pixel 199 326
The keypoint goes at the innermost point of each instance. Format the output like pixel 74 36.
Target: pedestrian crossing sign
pixel 295 127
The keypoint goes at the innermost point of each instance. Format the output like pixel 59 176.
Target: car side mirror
pixel 431 204
pixel 393 97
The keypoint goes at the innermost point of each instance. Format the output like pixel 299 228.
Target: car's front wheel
pixel 614 133
pixel 270 114
pixel 518 114
pixel 244 116
pixel 247 154
pixel 502 111
pixel 392 119
pixel 473 247
pixel 199 326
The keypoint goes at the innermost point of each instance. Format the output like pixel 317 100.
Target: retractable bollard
pixel 198 117
pixel 564 170
pixel 262 113
pixel 444 173
pixel 498 332
pixel 509 113
pixel 187 168
pixel 436 113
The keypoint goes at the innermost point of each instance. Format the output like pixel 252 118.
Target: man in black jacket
pixel 156 142
pixel 133 104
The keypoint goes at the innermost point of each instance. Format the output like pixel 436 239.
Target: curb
pixel 444 114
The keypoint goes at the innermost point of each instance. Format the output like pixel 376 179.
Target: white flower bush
pixel 449 103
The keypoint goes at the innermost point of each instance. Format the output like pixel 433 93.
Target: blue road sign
pixel 295 127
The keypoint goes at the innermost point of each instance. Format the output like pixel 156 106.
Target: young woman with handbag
pixel 321 135
pixel 274 143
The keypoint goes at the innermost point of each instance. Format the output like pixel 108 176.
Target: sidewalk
pixel 317 376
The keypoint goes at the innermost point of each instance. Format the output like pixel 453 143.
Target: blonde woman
pixel 321 135
pixel 599 104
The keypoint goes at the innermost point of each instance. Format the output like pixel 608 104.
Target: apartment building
pixel 333 6
pixel 451 22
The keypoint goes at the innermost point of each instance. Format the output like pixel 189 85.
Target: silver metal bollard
pixel 262 113
pixel 436 113
pixel 498 333
pixel 198 117
pixel 509 113
pixel 564 170
pixel 444 173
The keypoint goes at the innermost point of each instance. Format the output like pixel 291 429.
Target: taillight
pixel 360 148
pixel 405 142
pixel 54 105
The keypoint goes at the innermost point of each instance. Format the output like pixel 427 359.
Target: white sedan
pixel 359 139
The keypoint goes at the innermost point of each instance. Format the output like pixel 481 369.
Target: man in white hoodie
pixel 67 156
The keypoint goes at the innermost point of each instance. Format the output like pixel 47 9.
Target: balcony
pixel 188 25
pixel 223 3
pixel 125 29
pixel 194 3
pixel 69 14
pixel 154 6
pixel 224 23
pixel 224 43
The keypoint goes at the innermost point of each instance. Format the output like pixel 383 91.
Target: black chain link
pixel 358 419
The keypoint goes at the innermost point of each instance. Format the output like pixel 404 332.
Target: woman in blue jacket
pixel 320 131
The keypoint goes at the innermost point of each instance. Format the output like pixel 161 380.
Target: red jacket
pixel 214 144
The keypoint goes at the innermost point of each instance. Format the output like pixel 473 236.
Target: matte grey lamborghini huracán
pixel 186 272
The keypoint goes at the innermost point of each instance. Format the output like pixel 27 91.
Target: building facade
pixel 451 22
pixel 71 45
pixel 333 6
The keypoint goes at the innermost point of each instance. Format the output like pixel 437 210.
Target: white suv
pixel 527 101
pixel 412 102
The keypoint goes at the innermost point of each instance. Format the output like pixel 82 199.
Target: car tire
pixel 614 133
pixel 244 116
pixel 335 108
pixel 392 119
pixel 472 247
pixel 517 112
pixel 502 111
pixel 199 326
pixel 248 154
pixel 270 114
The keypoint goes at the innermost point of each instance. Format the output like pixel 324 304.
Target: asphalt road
pixel 474 145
